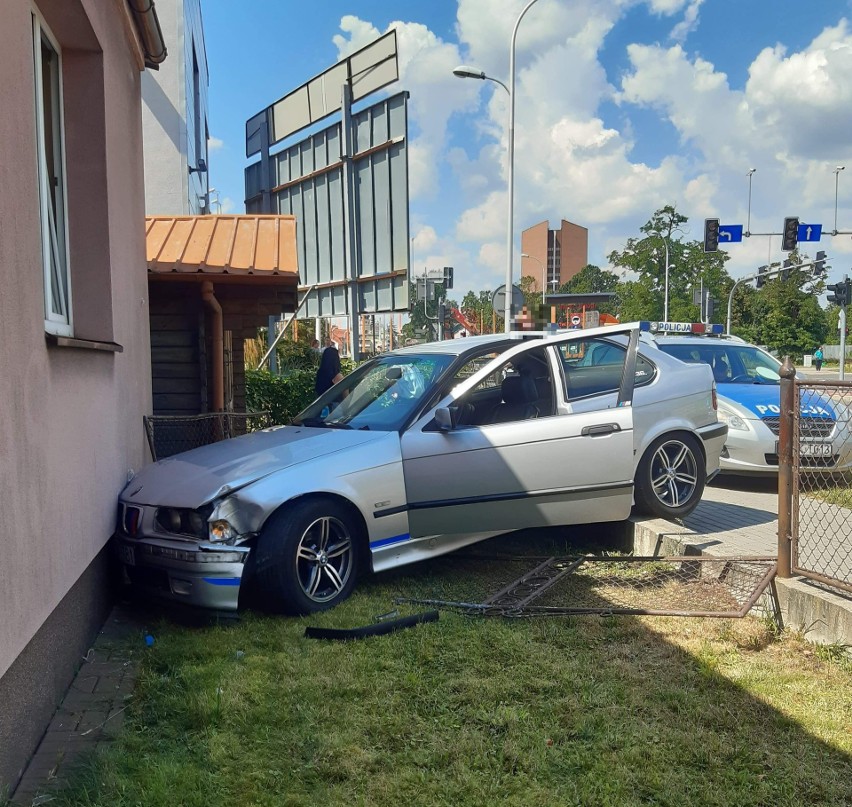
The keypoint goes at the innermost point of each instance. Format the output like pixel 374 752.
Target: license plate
pixel 811 449
pixel 126 554
pixel 815 450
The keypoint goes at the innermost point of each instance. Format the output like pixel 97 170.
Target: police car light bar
pixel 681 327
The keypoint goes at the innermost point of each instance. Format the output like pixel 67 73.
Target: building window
pixel 52 181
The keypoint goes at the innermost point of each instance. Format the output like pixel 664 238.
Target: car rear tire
pixel 670 477
pixel 307 557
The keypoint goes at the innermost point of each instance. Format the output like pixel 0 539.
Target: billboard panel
pixel 307 180
pixel 367 70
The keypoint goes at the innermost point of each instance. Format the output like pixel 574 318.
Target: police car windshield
pixel 731 363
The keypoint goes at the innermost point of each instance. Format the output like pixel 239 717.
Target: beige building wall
pixel 71 425
pixel 564 251
pixel 574 242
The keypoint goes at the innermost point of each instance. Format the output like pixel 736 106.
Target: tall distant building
pixel 174 116
pixel 563 252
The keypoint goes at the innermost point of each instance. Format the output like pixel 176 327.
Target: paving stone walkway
pixel 92 711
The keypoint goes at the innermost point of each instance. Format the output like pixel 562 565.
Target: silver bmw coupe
pixel 421 451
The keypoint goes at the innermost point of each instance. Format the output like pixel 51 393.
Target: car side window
pixel 520 389
pixel 594 366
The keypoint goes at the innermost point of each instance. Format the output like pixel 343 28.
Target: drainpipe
pixel 218 346
pixel 148 25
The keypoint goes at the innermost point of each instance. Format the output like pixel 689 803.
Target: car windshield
pixel 380 395
pixel 731 363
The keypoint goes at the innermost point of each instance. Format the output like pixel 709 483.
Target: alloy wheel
pixel 324 559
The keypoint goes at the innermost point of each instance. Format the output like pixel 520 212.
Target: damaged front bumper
pixel 195 574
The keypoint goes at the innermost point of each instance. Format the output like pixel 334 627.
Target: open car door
pixel 525 464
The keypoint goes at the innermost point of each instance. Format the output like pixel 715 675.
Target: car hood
pixel 197 477
pixel 762 400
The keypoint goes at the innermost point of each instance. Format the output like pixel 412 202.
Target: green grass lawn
pixel 479 711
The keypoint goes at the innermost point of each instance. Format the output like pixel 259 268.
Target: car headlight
pixel 733 420
pixel 221 532
pixel 181 521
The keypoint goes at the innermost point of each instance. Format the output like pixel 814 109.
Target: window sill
pixel 85 344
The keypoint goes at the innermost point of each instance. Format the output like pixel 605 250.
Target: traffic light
pixel 785 269
pixel 448 277
pixel 838 293
pixel 819 263
pixel 790 234
pixel 711 235
pixel 761 279
pixel 710 309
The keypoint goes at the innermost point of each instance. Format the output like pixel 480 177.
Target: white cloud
pixel 214 144
pixel 689 22
pixel 791 119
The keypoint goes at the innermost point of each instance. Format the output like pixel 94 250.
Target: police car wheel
pixel 670 477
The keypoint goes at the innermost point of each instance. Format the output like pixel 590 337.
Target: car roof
pixel 456 347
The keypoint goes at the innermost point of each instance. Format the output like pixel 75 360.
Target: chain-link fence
pixel 822 483
pixel 171 434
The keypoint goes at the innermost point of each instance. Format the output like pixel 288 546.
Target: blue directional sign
pixel 810 232
pixel 730 233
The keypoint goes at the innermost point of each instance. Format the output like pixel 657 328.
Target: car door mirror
pixel 446 418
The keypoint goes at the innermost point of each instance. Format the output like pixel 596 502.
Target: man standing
pixel 328 373
pixel 818 356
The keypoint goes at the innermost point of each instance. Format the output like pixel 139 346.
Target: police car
pixel 748 389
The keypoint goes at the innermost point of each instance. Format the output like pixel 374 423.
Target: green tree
pixel 592 279
pixel 689 268
pixel 785 314
pixel 589 280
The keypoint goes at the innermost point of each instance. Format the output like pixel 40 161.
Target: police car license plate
pixel 810 449
pixel 126 554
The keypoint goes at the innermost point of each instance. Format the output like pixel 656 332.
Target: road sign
pixel 575 320
pixel 730 233
pixel 810 232
pixel 498 300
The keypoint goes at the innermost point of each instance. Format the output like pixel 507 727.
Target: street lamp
pixel 463 71
pixel 543 276
pixel 666 289
pixel 748 225
pixel 468 72
pixel 837 171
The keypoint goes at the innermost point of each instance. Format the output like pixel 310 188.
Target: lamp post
pixel 837 171
pixel 748 224
pixel 543 276
pixel 666 288
pixel 468 72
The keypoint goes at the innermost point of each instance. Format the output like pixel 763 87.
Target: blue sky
pixel 622 106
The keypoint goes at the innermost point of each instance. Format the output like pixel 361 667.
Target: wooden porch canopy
pixel 244 268
pixel 249 250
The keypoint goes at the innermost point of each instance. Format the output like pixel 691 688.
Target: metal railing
pixel 172 434
pixel 815 498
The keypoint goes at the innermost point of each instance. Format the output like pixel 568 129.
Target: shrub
pixel 284 396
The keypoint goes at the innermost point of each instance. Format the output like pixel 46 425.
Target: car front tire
pixel 307 557
pixel 670 477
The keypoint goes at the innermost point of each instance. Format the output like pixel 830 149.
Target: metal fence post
pixel 785 469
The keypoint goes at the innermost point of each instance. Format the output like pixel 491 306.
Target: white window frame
pixel 54 234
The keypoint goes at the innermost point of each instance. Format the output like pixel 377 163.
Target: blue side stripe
pixel 222 581
pixel 397 539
